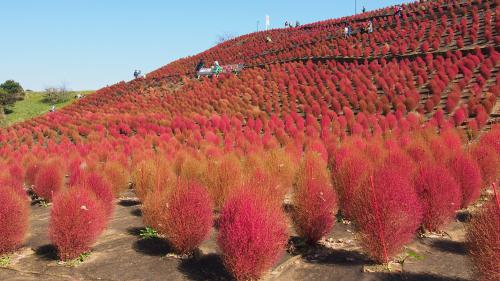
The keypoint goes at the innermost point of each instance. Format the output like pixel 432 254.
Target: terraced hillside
pixel 360 120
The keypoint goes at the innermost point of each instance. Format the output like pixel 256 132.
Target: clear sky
pixel 87 44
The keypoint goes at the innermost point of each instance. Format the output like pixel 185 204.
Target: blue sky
pixel 88 44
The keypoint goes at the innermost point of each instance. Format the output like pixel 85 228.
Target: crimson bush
pixel 49 180
pixel 349 175
pixel 388 214
pixel 489 163
pixel 439 194
pixel 187 218
pixel 102 190
pixel 14 219
pixel 314 206
pixel 251 236
pixel 468 175
pixel 77 219
pixel 483 242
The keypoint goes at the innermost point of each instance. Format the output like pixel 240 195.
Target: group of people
pixel 216 69
pixel 137 74
pixel 290 24
pixel 347 30
pixel 398 11
pixel 368 28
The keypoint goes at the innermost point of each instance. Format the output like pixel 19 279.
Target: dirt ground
pixel 121 254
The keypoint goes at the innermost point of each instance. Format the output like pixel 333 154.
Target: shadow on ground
pixel 151 246
pixel 464 216
pixel 450 246
pixel 340 257
pixel 205 267
pixel 129 202
pixel 415 277
pixel 47 252
pixel 136 212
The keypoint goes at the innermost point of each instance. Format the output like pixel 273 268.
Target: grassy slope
pixel 33 105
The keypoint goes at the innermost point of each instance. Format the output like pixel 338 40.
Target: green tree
pixel 13 89
pixel 6 99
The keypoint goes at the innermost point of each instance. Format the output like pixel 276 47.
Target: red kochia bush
pixel 348 176
pixel 314 206
pixel 388 214
pixel 468 175
pixel 483 241
pixel 187 218
pixel 49 180
pixel 439 194
pixel 77 219
pixel 14 219
pixel 251 235
pixel 488 161
pixel 102 190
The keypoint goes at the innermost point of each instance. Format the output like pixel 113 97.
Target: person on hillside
pixel 286 23
pixel 398 11
pixel 370 27
pixel 53 108
pixel 364 9
pixel 268 39
pixel 346 31
pixel 137 73
pixel 216 69
pixel 297 24
pixel 200 65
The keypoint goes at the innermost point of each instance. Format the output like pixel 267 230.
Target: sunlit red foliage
pixel 483 241
pixel 14 219
pixel 49 180
pixel 251 237
pixel 76 221
pixel 439 193
pixel 387 214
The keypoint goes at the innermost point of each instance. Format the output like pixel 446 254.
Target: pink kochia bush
pixel 439 194
pixel 49 180
pixel 101 188
pixel 252 236
pixel 483 241
pixel 314 206
pixel 77 219
pixel 468 175
pixel 388 214
pixel 14 219
pixel 187 218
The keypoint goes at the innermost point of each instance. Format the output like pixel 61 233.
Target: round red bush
pixel 489 163
pixel 187 218
pixel 77 219
pixel 49 181
pixel 388 214
pixel 14 219
pixel 251 237
pixel 314 205
pixel 439 194
pixel 102 190
pixel 349 175
pixel 483 242
pixel 468 175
